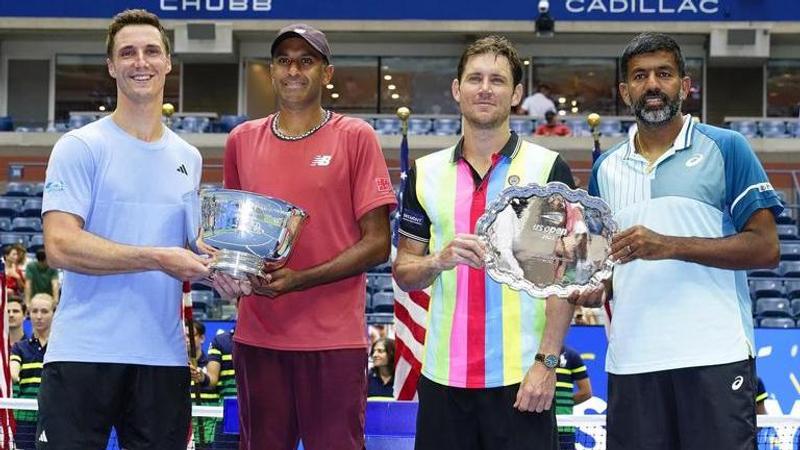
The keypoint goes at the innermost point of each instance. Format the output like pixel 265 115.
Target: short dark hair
pixel 134 17
pixel 199 328
pixel 41 256
pixel 497 45
pixel 17 299
pixel 650 42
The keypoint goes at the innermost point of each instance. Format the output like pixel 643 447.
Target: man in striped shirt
pixel 488 369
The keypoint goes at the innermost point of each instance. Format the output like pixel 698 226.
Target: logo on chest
pixel 321 160
pixel 694 160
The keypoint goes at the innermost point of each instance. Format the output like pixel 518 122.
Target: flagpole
pixel 593 120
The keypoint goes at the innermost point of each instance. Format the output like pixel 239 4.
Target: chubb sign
pixel 643 6
pixel 216 5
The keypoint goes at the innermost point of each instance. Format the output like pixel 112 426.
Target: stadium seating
pixel 36 242
pixel 777 322
pixel 6 124
pixel 228 122
pixel 786 217
pixel 383 302
pixel 523 127
pixel 387 126
pixel 787 231
pixel 773 129
pixel 766 288
pixel 796 308
pixel 5 224
pixel 773 307
pixel 446 126
pixel 379 283
pixel 790 269
pixel 792 289
pixel 26 224
pixel 13 238
pixel 749 128
pixel 31 208
pixel 578 126
pixel 18 189
pixel 611 128
pixel 419 126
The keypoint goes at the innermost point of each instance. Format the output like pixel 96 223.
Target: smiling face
pixel 379 358
pixel 653 88
pixel 140 64
pixel 298 73
pixel 486 91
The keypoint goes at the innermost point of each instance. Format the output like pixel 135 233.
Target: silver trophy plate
pixel 253 233
pixel 547 240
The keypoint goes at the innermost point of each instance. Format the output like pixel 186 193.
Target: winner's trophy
pixel 253 233
pixel 547 240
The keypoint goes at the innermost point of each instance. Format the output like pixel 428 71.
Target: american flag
pixel 7 424
pixel 410 311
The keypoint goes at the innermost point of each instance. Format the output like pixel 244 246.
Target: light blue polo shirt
pixel 127 191
pixel 671 314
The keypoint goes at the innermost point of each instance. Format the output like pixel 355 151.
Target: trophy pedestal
pixel 237 264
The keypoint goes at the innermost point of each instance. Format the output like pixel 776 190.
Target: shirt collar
pixel 509 149
pixel 681 142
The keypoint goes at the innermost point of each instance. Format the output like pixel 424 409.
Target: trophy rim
pixel 542 191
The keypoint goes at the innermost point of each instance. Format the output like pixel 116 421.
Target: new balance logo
pixel 321 160
pixel 42 437
pixel 182 169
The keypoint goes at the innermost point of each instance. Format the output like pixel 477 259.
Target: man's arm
pixel 28 291
pixel 212 370
pixel 414 270
pixel 539 385
pixel 56 287
pixel 70 247
pixel 16 368
pixel 372 249
pixel 584 391
pixel 756 246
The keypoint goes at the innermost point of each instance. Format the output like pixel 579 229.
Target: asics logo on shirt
pixel 694 160
pixel 182 169
pixel 737 383
pixel 321 161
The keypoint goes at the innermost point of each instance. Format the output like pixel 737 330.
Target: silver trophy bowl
pixel 254 234
pixel 547 240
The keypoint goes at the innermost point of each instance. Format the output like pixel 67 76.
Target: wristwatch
pixel 549 361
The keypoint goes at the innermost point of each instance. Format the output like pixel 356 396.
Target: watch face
pixel 551 361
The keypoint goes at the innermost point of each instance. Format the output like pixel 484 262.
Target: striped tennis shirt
pixel 480 334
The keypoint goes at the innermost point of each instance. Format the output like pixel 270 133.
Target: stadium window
pixel 354 88
pixel 84 85
pixel 590 83
pixel 783 88
pixel 28 89
pixel 210 87
pixel 422 84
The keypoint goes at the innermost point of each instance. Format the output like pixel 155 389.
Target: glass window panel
pixel 422 84
pixel 354 88
pixel 212 88
pixel 586 84
pixel 783 88
pixel 83 84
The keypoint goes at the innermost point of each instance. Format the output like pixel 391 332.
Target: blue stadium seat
pixel 13 238
pixel 31 208
pixel 383 302
pixel 790 251
pixel 792 288
pixel 18 189
pixel 419 126
pixel 766 288
pixel 387 126
pixel 229 122
pixel 200 287
pixel 9 207
pixel 787 231
pixel 5 224
pixel 790 269
pixel 796 308
pixel 611 128
pixel 748 128
pixel 793 128
pixel 36 242
pixel 786 217
pixel 381 283
pixel 37 189
pixel 773 307
pixel 773 129
pixel 6 123
pixel 385 267
pixel 781 196
pixel 777 322
pixel 26 224
pixel 579 126
pixel 446 126
pixel 202 297
pixel 523 127
pixel 79 120
pixel 193 124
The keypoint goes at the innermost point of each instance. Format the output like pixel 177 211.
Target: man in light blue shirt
pixel 695 209
pixel 114 222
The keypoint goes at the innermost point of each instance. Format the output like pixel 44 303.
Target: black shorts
pixel 470 419
pixel 79 403
pixel 695 408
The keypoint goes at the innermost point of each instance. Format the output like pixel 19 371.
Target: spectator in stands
pixel 706 214
pixel 222 374
pixel 16 318
pixel 315 322
pixel 202 391
pixel 552 126
pixel 26 366
pixel 114 222
pixel 41 278
pixel 571 371
pixel 14 257
pixel 539 103
pixel 490 352
pixel 381 376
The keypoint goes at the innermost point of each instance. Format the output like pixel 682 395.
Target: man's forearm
pixel 81 251
pixel 415 272
pixel 738 252
pixel 558 313
pixel 365 254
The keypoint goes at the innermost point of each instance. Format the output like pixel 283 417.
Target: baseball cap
pixel 315 38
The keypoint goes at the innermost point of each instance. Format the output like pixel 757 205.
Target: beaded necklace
pixel 276 127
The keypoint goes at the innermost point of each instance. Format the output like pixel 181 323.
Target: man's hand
pixel 639 242
pixel 537 389
pixel 230 287
pixel 197 374
pixel 463 249
pixel 593 297
pixel 182 264
pixel 278 282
